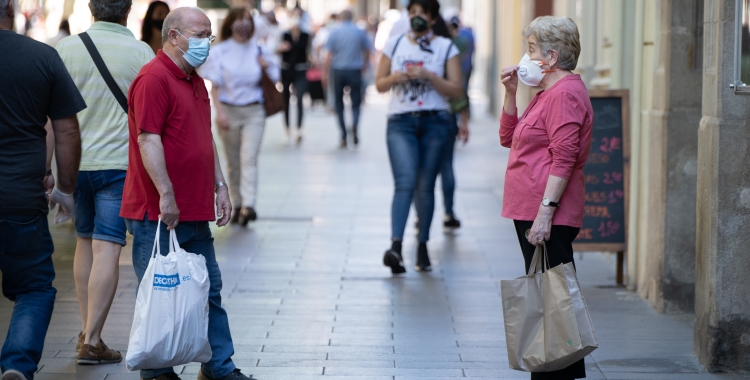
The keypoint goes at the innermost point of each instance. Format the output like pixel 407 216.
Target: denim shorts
pixel 98 199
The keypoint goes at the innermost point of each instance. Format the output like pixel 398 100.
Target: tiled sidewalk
pixel 308 297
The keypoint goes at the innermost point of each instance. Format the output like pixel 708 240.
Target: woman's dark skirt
pixel 559 251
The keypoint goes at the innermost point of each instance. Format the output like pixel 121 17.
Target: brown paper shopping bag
pixel 547 323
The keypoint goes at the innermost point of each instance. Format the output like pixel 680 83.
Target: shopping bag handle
pixel 156 249
pixel 174 244
pixel 537 262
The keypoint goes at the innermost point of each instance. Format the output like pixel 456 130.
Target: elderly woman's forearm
pixel 553 191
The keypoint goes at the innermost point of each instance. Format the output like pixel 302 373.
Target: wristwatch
pixel 218 185
pixel 548 203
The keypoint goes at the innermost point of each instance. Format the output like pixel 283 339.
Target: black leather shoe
pixel 394 260
pixel 246 215
pixel 423 259
pixel 235 215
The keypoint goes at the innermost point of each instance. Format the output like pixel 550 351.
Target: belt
pixel 422 113
pixel 243 105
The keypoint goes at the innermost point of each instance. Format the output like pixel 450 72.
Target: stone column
pixel 670 154
pixel 722 303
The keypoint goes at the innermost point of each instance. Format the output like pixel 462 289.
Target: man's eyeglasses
pixel 211 38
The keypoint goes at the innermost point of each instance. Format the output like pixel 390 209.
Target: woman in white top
pixel 234 69
pixel 421 70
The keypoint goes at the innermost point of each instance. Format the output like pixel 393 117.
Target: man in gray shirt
pixel 349 53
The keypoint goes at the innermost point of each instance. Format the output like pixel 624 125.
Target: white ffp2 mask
pixel 530 72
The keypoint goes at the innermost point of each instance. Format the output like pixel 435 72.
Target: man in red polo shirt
pixel 173 171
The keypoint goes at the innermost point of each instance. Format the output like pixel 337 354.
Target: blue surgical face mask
pixel 197 52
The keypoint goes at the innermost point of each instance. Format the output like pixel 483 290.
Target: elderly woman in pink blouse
pixel 549 144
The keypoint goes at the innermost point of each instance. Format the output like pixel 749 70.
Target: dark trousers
pixel 447 178
pixel 298 78
pixel 559 251
pixel 26 263
pixel 353 80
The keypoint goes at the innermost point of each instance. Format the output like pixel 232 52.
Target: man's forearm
pixel 218 175
pixel 50 143
pixel 152 154
pixel 68 147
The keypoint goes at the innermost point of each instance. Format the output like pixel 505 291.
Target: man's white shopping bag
pixel 170 325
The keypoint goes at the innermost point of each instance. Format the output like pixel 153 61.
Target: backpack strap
pixel 108 79
pixel 398 41
pixel 445 65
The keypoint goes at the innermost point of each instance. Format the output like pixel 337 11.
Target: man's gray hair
pixel 174 20
pixel 559 34
pixel 110 10
pixel 347 15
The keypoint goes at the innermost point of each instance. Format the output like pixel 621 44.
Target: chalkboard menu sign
pixel 607 176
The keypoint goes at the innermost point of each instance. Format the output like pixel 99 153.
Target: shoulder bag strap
pixel 99 62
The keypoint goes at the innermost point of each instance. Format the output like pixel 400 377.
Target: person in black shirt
pixel 294 50
pixel 36 86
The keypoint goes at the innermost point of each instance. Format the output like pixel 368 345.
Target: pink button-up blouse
pixel 552 137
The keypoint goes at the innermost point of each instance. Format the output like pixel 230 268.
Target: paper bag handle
pixel 537 262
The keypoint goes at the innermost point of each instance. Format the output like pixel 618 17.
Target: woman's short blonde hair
pixel 559 34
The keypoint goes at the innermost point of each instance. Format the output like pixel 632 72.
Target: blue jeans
pixel 416 147
pixel 447 178
pixel 353 80
pixel 26 263
pixel 194 237
pixel 98 199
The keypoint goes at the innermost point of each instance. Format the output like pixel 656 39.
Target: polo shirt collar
pixel 111 27
pixel 171 66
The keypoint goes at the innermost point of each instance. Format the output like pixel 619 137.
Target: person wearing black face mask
pixel 422 71
pixel 152 24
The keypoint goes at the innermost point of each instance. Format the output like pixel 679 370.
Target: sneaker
pixel 99 354
pixel 299 136
pixel 246 215
pixel 450 222
pixel 12 374
pixel 355 138
pixel 234 375
pixel 164 376
pixel 81 338
pixel 423 259
pixel 342 143
pixel 394 260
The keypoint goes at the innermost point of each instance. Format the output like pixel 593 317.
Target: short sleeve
pixel 330 42
pixel 453 51
pixel 366 43
pixel 390 46
pixel 65 99
pixel 149 99
pixel 212 69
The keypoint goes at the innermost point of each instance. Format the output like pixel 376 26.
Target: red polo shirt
pixel 165 101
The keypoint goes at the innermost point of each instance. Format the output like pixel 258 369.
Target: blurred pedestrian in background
pixel 174 171
pixel 459 129
pixel 152 24
pixel 99 228
pixel 295 50
pixel 549 144
pixel 421 70
pixel 63 32
pixel 321 55
pixel 463 37
pixel 234 69
pixel 348 57
pixel 35 87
